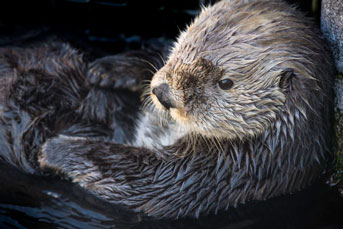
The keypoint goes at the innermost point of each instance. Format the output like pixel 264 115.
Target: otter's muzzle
pixel 162 94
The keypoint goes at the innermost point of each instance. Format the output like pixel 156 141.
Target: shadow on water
pixel 28 201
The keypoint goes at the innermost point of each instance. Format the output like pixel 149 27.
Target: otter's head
pixel 208 100
pixel 231 72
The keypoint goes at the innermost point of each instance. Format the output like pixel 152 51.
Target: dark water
pixel 28 201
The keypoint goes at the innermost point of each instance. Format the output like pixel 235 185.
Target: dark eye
pixel 225 84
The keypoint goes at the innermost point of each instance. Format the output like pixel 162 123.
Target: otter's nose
pixel 162 94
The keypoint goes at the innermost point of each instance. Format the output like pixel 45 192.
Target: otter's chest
pixel 151 134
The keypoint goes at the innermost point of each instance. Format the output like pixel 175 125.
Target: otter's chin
pixel 179 115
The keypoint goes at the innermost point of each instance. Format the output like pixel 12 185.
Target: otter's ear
pixel 286 79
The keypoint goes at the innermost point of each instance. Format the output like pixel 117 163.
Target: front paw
pixel 127 70
pixel 113 72
pixel 58 156
pixel 52 156
pixel 101 72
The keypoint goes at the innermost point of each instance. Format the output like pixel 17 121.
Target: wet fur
pixel 279 141
pixel 45 92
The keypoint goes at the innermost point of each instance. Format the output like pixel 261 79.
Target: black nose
pixel 162 94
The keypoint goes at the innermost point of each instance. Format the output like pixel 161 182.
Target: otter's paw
pixel 113 72
pixel 58 156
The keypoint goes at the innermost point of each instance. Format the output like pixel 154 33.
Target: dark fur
pixel 45 92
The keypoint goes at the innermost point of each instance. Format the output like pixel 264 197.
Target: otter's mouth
pixel 162 99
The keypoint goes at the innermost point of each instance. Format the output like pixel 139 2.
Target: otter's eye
pixel 225 84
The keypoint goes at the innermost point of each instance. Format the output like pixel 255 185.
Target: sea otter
pixel 240 112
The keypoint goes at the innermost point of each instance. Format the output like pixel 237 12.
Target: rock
pixel 338 178
pixel 332 28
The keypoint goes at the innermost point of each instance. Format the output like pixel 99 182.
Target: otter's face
pixel 207 100
pixel 229 73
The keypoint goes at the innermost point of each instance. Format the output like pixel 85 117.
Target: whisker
pixel 206 142
pixel 151 65
pixel 162 59
pixel 150 71
pixel 221 148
